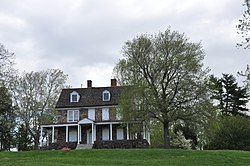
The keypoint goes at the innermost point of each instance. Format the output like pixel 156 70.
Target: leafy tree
pixel 188 131
pixel 35 94
pixel 232 99
pixel 165 72
pixel 244 26
pixel 6 64
pixel 180 142
pixel 7 120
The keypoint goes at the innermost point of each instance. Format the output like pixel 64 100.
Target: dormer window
pixel 105 95
pixel 74 97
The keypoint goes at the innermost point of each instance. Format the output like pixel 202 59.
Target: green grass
pixel 125 157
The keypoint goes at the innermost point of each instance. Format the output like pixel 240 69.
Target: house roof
pixel 89 97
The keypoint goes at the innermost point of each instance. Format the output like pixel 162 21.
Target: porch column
pixel 92 141
pixel 94 132
pixel 127 132
pixel 111 131
pixel 148 134
pixel 78 134
pixel 67 133
pixel 53 134
pixel 144 131
pixel 47 138
pixel 41 137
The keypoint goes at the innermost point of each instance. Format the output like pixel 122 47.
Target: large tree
pixel 165 72
pixel 35 94
pixel 231 98
pixel 244 26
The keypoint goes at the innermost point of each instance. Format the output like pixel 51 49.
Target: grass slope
pixel 125 157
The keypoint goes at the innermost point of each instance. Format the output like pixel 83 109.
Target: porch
pixel 89 132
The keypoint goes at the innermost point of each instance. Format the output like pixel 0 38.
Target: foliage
pixel 156 135
pixel 246 76
pixel 231 98
pixel 125 157
pixel 179 141
pixel 35 94
pixel 230 132
pixel 187 134
pixel 244 26
pixel 7 120
pixel 6 65
pixel 168 83
pixel 24 139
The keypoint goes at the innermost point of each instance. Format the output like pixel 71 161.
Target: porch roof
pixel 86 121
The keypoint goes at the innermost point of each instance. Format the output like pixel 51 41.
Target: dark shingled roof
pixel 89 97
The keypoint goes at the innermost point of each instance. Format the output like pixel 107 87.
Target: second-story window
pixel 105 114
pixel 73 115
pixel 91 114
pixel 74 97
pixel 105 95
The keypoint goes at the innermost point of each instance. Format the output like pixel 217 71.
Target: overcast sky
pixel 84 38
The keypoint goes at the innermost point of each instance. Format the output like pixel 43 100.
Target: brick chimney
pixel 89 84
pixel 113 82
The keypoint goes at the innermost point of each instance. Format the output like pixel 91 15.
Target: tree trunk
pixel 166 135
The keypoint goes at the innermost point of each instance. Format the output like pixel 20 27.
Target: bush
pixel 231 132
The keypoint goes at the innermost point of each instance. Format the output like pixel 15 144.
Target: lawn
pixel 125 157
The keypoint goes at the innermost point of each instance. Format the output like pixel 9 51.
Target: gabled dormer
pixel 106 95
pixel 74 97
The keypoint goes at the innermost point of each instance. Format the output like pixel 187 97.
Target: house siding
pixel 98 114
pixel 61 135
pixel 83 113
pixel 62 117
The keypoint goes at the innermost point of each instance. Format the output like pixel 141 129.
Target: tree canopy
pixel 35 94
pixel 165 71
pixel 6 64
pixel 7 120
pixel 244 26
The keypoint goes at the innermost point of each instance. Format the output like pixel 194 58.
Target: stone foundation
pixel 138 143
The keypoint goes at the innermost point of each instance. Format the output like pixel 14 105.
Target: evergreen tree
pixel 23 138
pixel 231 98
pixel 7 120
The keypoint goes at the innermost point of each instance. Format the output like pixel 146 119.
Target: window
pixel 72 135
pixel 105 133
pixel 105 95
pixel 73 115
pixel 74 97
pixel 119 134
pixel 91 114
pixel 105 114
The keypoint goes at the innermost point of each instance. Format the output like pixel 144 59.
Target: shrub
pixel 231 132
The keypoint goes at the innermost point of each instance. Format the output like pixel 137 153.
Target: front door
pixel 89 136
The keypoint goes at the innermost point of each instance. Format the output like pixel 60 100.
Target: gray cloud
pixel 84 38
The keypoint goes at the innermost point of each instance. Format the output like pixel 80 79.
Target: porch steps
pixel 84 146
